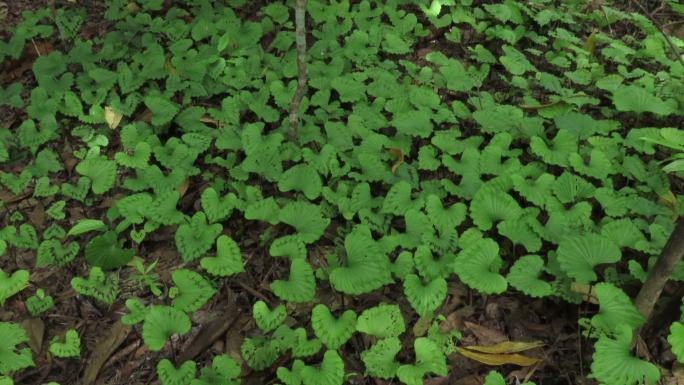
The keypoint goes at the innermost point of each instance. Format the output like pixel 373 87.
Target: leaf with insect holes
pixel 139 157
pixel 380 360
pixel 228 260
pixel 382 321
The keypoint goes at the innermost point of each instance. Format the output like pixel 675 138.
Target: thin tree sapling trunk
pixel 661 271
pixel 300 39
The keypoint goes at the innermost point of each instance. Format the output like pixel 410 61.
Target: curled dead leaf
pixel 399 158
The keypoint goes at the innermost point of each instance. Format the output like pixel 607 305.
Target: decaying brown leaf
pixel 116 336
pixel 35 329
pixel 503 353
pixel 507 347
pixel 498 359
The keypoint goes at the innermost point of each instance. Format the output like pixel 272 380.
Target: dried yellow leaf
pixel 498 359
pixel 112 117
pixel 506 347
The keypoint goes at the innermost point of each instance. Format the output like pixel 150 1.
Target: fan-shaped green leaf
pixel 631 98
pixel 303 178
pixel 104 288
pixel 160 323
pixel 192 290
pixel 444 218
pixel 478 267
pixel 367 268
pixel 382 321
pixel 106 252
pixel 228 260
pixel 266 319
pixel 524 276
pixel 616 308
pixel 333 332
pixel 195 238
pixel 303 346
pixel 577 255
pixel 430 267
pixel 490 205
pixel 676 340
pixel 170 375
pixel 71 347
pixel 379 359
pixel 306 218
pixel 429 359
pixel 217 207
pixel 424 297
pixel 100 170
pixel 301 285
pixel 331 371
pixel 613 364
pixel 223 371
pixel 13 357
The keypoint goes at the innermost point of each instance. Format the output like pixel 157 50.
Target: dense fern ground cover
pixel 475 192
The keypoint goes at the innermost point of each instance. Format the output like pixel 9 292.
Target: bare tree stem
pixel 673 47
pixel 300 38
pixel 658 275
